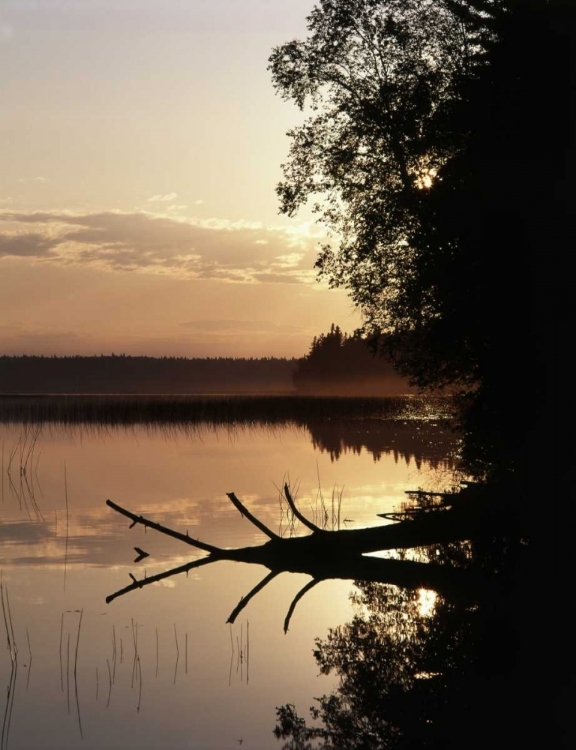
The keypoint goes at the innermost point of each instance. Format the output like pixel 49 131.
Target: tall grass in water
pixel 21 471
pixel 218 410
pixel 13 649
pixel 324 516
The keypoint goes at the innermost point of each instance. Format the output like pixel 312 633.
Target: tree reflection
pixel 398 670
pixel 423 670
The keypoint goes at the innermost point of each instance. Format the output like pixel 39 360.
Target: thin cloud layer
pixel 163 198
pixel 150 243
pixel 243 326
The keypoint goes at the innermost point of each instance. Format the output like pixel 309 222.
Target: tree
pixel 386 83
pixel 341 364
pixel 435 154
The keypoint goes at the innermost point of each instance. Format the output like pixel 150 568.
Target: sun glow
pixel 425 179
pixel 426 602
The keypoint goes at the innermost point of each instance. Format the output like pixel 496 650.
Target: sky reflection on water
pixel 160 668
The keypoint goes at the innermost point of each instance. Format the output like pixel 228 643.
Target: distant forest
pixel 145 375
pixel 336 365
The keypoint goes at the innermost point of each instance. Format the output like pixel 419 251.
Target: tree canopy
pixel 434 151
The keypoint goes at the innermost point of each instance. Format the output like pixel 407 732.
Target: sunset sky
pixel 141 145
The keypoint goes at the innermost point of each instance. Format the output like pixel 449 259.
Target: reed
pixel 157 652
pixel 68 675
pixel 13 649
pixel 217 410
pixel 67 526
pixel 76 673
pixel 231 657
pixel 135 644
pixel 139 686
pixel 109 683
pixel 177 653
pixel 29 658
pixel 61 665
pixel 113 653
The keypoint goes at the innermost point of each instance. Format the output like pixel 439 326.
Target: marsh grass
pixel 217 410
pixel 336 424
pixel 13 650
pixel 21 471
pixel 326 515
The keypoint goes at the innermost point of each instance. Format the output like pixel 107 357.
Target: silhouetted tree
pixel 436 150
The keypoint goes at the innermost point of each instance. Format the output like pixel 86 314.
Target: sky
pixel 141 143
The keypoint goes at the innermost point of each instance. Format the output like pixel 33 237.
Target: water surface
pixel 160 667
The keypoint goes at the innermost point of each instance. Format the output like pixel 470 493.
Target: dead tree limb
pixel 303 591
pixel 163 529
pixel 245 599
pixel 341 554
pixel 140 584
pixel 245 512
pixel 303 520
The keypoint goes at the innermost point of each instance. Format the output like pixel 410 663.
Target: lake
pixel 161 667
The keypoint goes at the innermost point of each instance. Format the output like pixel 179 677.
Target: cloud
pixel 163 244
pixel 26 245
pixel 163 198
pixel 6 32
pixel 239 326
pixel 34 179
pixel 277 278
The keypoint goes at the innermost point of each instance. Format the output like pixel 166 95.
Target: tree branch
pixel 244 601
pixel 153 579
pixel 163 529
pixel 299 595
pixel 245 512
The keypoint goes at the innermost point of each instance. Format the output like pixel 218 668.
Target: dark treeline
pixel 342 364
pixel 337 364
pixel 125 374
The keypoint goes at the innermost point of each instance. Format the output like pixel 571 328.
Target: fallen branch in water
pixel 341 554
pixel 162 529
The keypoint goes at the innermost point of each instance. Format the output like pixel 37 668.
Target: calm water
pixel 160 668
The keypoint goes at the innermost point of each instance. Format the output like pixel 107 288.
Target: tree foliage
pixel 385 83
pixel 434 151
